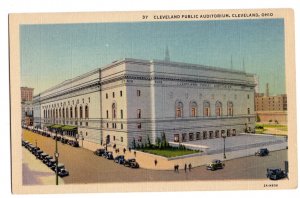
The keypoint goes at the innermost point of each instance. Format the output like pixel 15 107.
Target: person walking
pixel 185 167
pixel 155 162
pixel 190 167
pixel 134 153
pixel 124 150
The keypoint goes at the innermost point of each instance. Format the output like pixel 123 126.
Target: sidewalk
pixel 35 172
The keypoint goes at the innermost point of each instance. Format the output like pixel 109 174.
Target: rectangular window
pixel 139 125
pixel 206 112
pixel 193 112
pixel 121 126
pixel 86 124
pixel 198 136
pixel 106 96
pixel 121 113
pixel 113 94
pixel 248 110
pixel 114 138
pixel 121 93
pixel 248 96
pixel 138 92
pixel 191 136
pixel 121 139
pixel 107 114
pixel 107 125
pixel 139 113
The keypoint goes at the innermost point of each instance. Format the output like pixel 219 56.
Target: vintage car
pixel 108 155
pixel 262 152
pixel 275 173
pixel 99 152
pixel 64 140
pixel 42 156
pixel 119 159
pixel 215 164
pixel 38 153
pixel 59 167
pixel 47 159
pixel 63 172
pixel 131 163
pixel 51 162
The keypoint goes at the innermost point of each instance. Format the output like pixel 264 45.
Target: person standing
pixel 190 167
pixel 185 167
pixel 155 162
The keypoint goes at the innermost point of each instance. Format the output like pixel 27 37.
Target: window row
pixel 204 135
pixel 67 112
pixel 206 109
pixel 138 93
pixel 65 103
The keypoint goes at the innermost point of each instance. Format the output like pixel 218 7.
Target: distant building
pixel 271 108
pixel 26 105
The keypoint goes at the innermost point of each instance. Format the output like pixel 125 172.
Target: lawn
pixel 169 152
pixel 274 126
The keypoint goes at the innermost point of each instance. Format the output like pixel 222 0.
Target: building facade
pixel 27 106
pixel 134 100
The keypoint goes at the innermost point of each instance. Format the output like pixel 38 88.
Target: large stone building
pixel 136 100
pixel 26 106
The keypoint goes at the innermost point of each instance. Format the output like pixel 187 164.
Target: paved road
pixel 85 167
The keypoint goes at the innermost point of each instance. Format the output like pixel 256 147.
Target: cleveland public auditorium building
pixel 133 99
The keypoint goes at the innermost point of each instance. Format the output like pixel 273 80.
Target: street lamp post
pixel 56 154
pixel 224 137
pixel 36 147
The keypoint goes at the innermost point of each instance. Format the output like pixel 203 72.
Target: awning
pixel 69 128
pixel 56 126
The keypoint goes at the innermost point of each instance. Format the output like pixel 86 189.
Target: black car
pixel 119 159
pixel 215 164
pixel 42 156
pixel 75 144
pixel 47 159
pixel 29 147
pixel 51 162
pixel 38 153
pixel 99 152
pixel 24 143
pixel 275 173
pixel 64 140
pixel 108 155
pixel 34 149
pixel 132 163
pixel 262 152
pixel 59 167
pixel 63 172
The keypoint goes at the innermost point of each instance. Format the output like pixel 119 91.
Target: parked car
pixel 75 144
pixel 215 164
pixel 47 159
pixel 64 140
pixel 59 167
pixel 51 162
pixel 99 152
pixel 108 155
pixel 34 149
pixel 29 146
pixel 38 153
pixel 42 156
pixel 131 163
pixel 70 142
pixel 262 152
pixel 276 173
pixel 63 172
pixel 24 143
pixel 119 159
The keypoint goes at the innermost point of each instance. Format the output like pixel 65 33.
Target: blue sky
pixel 53 53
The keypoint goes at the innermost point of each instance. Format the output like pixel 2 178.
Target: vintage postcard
pixel 153 101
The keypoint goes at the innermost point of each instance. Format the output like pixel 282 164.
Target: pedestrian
pixel 155 162
pixel 124 150
pixel 129 149
pixel 185 167
pixel 190 167
pixel 134 153
pixel 177 167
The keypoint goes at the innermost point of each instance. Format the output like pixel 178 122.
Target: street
pixel 85 167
